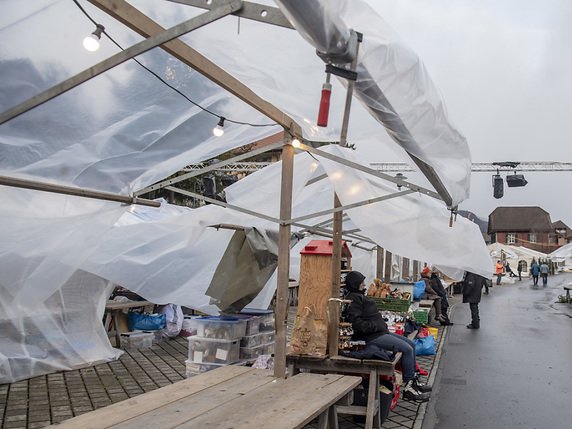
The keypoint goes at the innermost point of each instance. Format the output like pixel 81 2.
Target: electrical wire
pixel 166 83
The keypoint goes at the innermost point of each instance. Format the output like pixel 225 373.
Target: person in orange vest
pixel 499 269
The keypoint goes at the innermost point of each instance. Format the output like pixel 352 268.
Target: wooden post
pixel 333 307
pixel 405 269
pixel 388 262
pixel 379 265
pixel 283 259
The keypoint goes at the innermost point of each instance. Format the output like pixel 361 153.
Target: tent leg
pixel 283 260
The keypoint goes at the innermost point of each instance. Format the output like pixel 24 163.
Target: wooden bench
pixel 232 396
pixel 339 364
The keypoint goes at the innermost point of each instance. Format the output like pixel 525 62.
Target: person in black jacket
pixel 434 281
pixel 472 286
pixel 368 325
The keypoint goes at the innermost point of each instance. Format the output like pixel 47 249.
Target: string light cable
pixel 204 109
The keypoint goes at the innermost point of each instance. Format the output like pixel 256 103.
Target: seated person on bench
pixel 435 291
pixel 368 325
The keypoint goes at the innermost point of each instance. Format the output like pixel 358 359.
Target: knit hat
pixel 354 280
pixel 426 271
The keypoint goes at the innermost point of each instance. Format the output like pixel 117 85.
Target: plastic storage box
pixel 137 340
pixel 266 318
pixel 251 353
pixel 219 327
pixel 192 368
pixel 253 340
pixel 212 350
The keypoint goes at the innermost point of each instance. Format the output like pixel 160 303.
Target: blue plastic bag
pixel 418 289
pixel 424 346
pixel 145 322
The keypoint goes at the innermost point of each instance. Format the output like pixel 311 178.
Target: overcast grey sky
pixel 504 69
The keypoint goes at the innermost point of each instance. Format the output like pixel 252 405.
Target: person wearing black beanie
pixel 368 325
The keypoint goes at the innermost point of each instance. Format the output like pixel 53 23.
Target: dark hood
pixel 354 280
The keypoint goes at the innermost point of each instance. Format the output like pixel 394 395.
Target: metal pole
pixel 68 190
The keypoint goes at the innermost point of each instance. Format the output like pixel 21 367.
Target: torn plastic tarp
pixel 393 85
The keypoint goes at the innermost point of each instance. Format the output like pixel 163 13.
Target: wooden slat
pixel 212 399
pixel 124 410
pixel 284 404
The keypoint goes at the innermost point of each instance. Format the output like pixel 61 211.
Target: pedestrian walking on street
pixel 499 270
pixel 534 271
pixel 544 273
pixel 520 269
pixel 472 286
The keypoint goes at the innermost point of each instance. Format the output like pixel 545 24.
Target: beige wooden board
pixel 214 398
pixel 283 404
pixel 313 293
pixel 125 410
pixel 315 282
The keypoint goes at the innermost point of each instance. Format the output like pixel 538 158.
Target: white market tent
pixel 563 256
pixel 113 136
pixel 513 254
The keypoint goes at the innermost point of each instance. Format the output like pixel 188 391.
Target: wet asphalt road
pixel 516 371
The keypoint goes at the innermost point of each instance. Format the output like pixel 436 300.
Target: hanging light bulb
pixel 91 42
pixel 219 129
pixel 295 142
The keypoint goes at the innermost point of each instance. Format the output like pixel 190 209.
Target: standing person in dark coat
pixel 472 286
pixel 368 325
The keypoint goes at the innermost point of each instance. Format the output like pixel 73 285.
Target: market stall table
pixel 339 364
pixel 231 396
pixel 112 310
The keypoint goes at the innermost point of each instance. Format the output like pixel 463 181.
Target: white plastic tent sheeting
pixel 125 130
pixel 563 256
pixel 513 254
pixel 416 226
pixel 170 254
pixel 392 84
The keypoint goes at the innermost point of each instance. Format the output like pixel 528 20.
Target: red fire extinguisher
pixel 324 110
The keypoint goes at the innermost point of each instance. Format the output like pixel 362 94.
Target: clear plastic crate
pixel 219 327
pixel 253 340
pixel 251 353
pixel 136 340
pixel 268 337
pixel 192 368
pixel 212 350
pixel 266 318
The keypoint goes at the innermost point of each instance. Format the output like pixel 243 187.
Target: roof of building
pixel 560 225
pixel 519 219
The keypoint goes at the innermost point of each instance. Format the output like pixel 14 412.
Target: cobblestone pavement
pixel 52 398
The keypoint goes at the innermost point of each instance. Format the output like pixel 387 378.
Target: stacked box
pixel 213 350
pixel 250 341
pixel 219 327
pixel 392 304
pixel 255 345
pixel 266 318
pixel 136 340
pixel 193 368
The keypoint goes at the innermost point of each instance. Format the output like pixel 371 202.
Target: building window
pixel 532 238
pixel 511 238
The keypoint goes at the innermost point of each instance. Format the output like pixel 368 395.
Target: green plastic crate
pixel 421 316
pixel 392 304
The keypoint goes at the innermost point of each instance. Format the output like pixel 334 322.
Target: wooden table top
pixel 231 396
pixel 120 305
